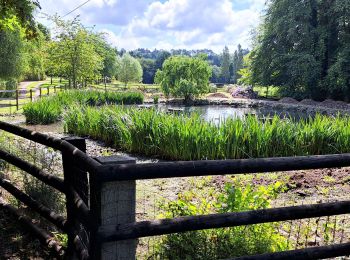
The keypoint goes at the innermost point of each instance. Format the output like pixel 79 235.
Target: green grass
pixel 149 132
pixel 49 109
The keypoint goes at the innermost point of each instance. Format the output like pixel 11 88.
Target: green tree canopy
pixel 22 10
pixel 183 76
pixel 303 46
pixel 74 51
pixel 129 69
pixel 225 65
pixel 11 53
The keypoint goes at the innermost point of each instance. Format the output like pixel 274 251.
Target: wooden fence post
pixel 54 89
pixel 31 95
pixel 48 90
pixel 17 105
pixel 113 203
pixel 40 92
pixel 78 180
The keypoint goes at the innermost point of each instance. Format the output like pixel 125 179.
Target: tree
pixel 75 51
pixel 11 53
pixel 161 57
pixel 183 76
pixel 35 57
pixel 149 70
pixel 216 74
pixel 107 53
pixel 237 63
pixel 225 65
pixel 20 10
pixel 302 46
pixel 128 69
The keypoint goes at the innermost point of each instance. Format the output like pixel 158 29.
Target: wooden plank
pixel 219 167
pixel 193 223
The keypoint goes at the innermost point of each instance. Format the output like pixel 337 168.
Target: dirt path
pixel 23 88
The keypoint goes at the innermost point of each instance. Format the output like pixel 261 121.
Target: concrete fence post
pixel 114 203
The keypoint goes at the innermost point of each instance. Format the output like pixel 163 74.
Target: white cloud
pixel 170 24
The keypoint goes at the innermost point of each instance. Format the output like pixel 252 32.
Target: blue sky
pixel 166 24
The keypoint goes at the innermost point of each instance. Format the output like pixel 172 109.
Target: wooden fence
pixel 28 95
pixel 101 199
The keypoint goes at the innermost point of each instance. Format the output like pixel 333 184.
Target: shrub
pixel 224 242
pixel 10 84
pixel 45 111
pixel 156 99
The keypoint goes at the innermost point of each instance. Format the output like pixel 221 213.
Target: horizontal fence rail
pixel 194 223
pixel 321 252
pixel 56 219
pixel 109 173
pixel 81 158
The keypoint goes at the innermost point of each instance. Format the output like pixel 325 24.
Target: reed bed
pixel 153 133
pixel 48 110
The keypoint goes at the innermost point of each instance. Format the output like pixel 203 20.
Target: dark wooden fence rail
pixel 78 213
pixel 28 94
pixel 101 199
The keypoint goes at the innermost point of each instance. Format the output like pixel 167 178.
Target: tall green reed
pixel 49 109
pixel 153 133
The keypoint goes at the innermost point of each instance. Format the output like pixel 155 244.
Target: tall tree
pixel 128 69
pixel 225 65
pixel 11 53
pixel 75 51
pixel 149 70
pixel 302 46
pixel 237 63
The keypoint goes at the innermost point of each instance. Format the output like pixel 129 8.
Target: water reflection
pixel 220 113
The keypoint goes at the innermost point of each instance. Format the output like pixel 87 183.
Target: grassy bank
pixel 49 109
pixel 149 132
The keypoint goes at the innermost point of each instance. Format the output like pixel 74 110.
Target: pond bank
pixel 308 108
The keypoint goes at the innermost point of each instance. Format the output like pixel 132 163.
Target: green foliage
pixel 45 111
pixel 74 51
pixel 129 69
pixel 23 11
pixel 237 64
pixel 35 58
pixel 149 70
pixel 225 65
pixel 150 133
pixel 183 76
pixel 156 99
pixel 303 46
pixel 225 242
pixel 10 84
pixel 11 49
pixel 49 109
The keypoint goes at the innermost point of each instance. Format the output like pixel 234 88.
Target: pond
pixel 218 113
